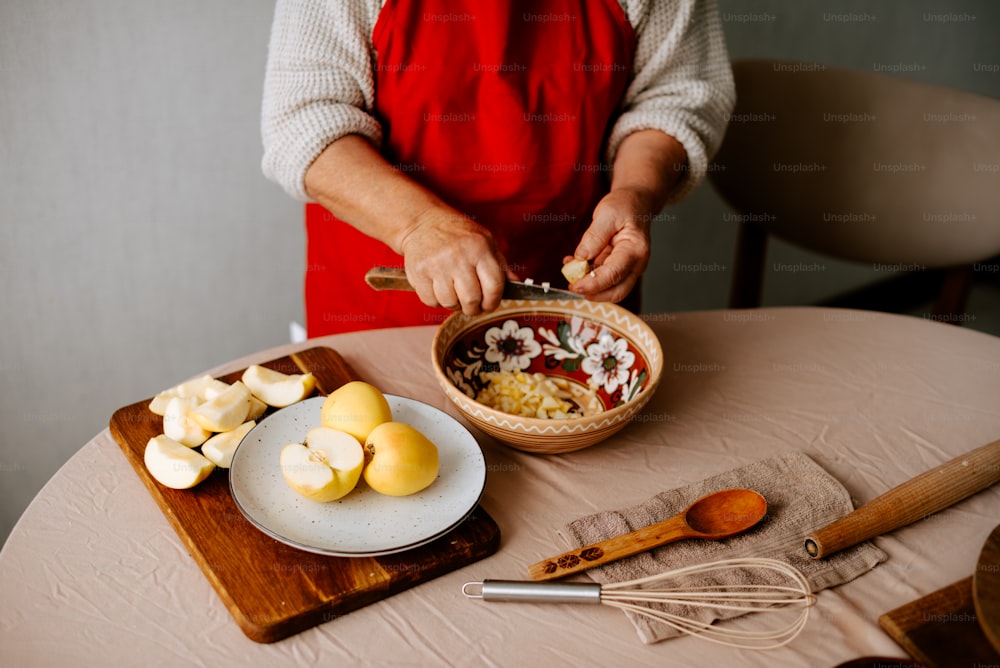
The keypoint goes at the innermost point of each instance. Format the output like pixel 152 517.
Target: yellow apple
pixel 278 389
pixel 180 426
pixel 221 447
pixel 401 460
pixel 326 467
pixel 227 410
pixel 356 407
pixel 175 465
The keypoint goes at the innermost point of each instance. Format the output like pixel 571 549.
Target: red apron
pixel 501 108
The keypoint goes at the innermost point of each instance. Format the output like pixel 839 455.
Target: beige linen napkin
pixel 801 497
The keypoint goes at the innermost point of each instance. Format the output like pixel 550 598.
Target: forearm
pixel 357 185
pixel 649 164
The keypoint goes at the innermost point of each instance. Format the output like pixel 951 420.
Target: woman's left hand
pixel 618 244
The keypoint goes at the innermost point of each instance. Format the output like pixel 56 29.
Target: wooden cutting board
pixel 986 588
pixel 273 590
pixel 942 629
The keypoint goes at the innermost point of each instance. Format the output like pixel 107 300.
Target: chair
pixel 861 166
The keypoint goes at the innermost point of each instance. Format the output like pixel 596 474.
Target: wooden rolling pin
pixel 915 499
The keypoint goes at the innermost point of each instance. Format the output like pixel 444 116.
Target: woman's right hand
pixel 453 262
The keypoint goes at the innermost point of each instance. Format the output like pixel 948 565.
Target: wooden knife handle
pixel 387 278
pixel 609 550
pixel 928 493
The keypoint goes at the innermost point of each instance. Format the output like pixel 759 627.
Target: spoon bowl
pixel 725 513
pixel 713 517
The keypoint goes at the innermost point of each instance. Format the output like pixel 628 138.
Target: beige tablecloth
pixel 93 575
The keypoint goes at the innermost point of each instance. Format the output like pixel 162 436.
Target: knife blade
pixel 392 278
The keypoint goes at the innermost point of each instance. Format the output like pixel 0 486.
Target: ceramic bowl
pixel 594 344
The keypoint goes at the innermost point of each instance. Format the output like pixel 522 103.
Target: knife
pixel 391 278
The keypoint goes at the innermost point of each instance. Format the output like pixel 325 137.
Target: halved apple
pixel 226 411
pixel 178 424
pixel 221 447
pixel 278 389
pixel 327 467
pixel 175 465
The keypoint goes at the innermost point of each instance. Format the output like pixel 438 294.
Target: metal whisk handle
pixel 533 592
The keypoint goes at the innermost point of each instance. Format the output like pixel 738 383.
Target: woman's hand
pixel 452 261
pixel 648 166
pixel 618 243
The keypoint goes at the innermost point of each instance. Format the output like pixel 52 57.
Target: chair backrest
pixel 863 166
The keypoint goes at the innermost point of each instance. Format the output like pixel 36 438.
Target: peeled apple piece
pixel 278 389
pixel 326 467
pixel 221 447
pixel 175 465
pixel 180 426
pixel 574 270
pixel 226 411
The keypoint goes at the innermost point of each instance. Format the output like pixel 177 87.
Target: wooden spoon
pixel 718 515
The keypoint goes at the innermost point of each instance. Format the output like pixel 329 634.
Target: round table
pixel 93 573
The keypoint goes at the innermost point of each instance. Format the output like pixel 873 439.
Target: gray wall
pixel 140 245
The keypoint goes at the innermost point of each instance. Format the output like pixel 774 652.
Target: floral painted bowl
pixel 594 345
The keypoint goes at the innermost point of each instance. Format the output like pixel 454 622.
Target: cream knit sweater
pixel 319 84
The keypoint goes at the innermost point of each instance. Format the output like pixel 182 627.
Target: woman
pixel 471 141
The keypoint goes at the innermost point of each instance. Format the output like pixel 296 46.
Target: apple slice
pixel 221 447
pixel 158 404
pixel 226 411
pixel 217 387
pixel 201 388
pixel 213 389
pixel 175 465
pixel 194 387
pixel 327 467
pixel 278 389
pixel 179 425
pixel 257 408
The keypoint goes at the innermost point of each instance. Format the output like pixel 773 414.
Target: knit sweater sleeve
pixel 682 82
pixel 318 84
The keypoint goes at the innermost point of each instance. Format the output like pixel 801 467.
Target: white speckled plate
pixel 364 523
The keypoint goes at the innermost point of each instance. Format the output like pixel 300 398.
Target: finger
pixel 491 282
pixel 444 294
pixel 469 294
pixel 617 288
pixel 590 283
